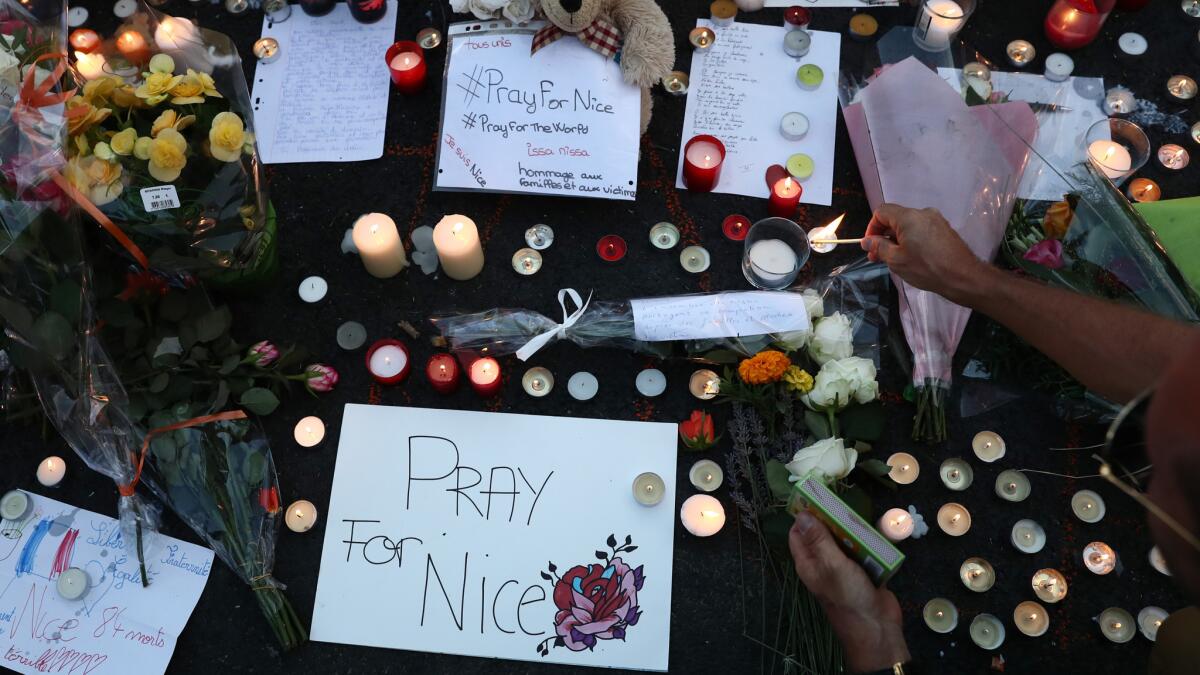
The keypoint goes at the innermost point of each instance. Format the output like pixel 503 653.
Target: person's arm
pixel 1115 350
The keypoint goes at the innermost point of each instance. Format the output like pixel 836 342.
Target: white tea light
pixel 977 574
pixel 1158 562
pixel 796 43
pixel 300 516
pixel 583 386
pixel 1031 619
pixel 313 289
pixel 704 384
pixel 706 475
pixel 14 505
pixel 1020 53
pixel 956 474
pixel 309 432
pixel 539 237
pixel 537 381
pixel 988 446
pixel 1099 558
pixel 1059 67
pixel 794 126
pixel 649 489
pixel 1028 536
pixel 1087 506
pixel 1049 585
pixel 904 468
pixel 72 584
pixel 351 335
pixel 896 524
pixel 1150 619
pixel 1116 624
pixel 954 519
pixel 1012 486
pixel 940 615
pixel 1173 156
pixel 987 632
pixel 124 9
pixel 702 515
pixel 650 382
pixel 1112 158
pixel 77 16
pixel 1132 44
pixel 664 236
pixel 51 471
pixel 526 262
pixel 695 259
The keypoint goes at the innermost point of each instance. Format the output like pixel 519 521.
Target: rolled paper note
pixel 458 247
pixel 904 468
pixel 940 615
pixel 1031 618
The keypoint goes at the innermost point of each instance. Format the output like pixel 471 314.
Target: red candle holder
pixel 133 46
pixel 486 377
pixel 736 227
pixel 1071 24
pixel 406 63
pixel 443 373
pixel 85 40
pixel 404 370
pixel 702 160
pixel 611 248
pixel 796 17
pixel 785 197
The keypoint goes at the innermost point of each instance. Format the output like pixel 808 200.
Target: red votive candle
pixel 702 159
pixel 84 40
pixel 785 196
pixel 736 227
pixel 406 63
pixel 388 361
pixel 796 17
pixel 611 248
pixel 485 377
pixel 1071 24
pixel 133 47
pixel 443 373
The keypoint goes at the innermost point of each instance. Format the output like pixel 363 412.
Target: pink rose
pixel 596 602
pixel 320 377
pixel 1047 253
pixel 263 354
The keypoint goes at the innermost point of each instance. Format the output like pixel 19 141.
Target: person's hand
pixel 866 619
pixel 920 247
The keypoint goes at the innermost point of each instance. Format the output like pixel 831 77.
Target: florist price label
pixel 505 536
pixel 561 121
pixel 702 317
pixel 159 198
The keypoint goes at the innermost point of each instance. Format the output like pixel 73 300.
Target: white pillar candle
pixel 90 66
pixel 987 632
pixel 378 242
pixel 954 519
pixel 706 475
pixel 309 432
pixel 1031 619
pixel 175 34
pixel 1049 585
pixel 1087 506
pixel 1027 536
pixel 1116 624
pixel 388 361
pixel 1099 558
pixel 896 525
pixel 72 583
pixel 1012 486
pixel 300 516
pixel 458 247
pixel 51 471
pixel 940 615
pixel 702 515
pixel 1150 619
pixel 1111 158
pixel 904 468
pixel 938 22
pixel 772 259
pixel 988 446
pixel 649 489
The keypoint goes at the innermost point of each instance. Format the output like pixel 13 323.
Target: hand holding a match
pixel 920 247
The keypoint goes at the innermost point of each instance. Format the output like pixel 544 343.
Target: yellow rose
pixel 141 149
pixel 98 91
pixel 126 97
pixel 226 137
pixel 82 115
pixel 169 119
pixel 162 63
pixel 122 142
pixel 188 90
pixel 206 83
pixel 96 178
pixel 167 157
pixel 155 88
pixel 104 152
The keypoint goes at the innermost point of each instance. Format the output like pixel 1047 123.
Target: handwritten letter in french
pixel 561 121
pixel 497 535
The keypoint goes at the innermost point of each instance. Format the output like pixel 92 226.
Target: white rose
pixel 794 340
pixel 481 9
pixel 861 373
pixel 10 68
pixel 459 6
pixel 519 11
pixel 832 389
pixel 832 339
pixel 829 460
pixel 814 304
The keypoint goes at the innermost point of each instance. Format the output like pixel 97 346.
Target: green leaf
pixel 117 313
pixel 875 467
pixel 173 307
pixel 159 382
pixel 777 479
pixel 817 424
pixel 229 364
pixel 722 356
pixel 863 422
pixel 198 353
pixel 213 325
pixel 858 499
pixel 259 401
pixel 167 352
pixel 164 448
pixel 292 356
pixel 64 299
pixel 221 397
pixel 16 316
pixel 254 468
pixel 54 335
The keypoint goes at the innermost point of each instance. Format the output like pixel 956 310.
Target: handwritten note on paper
pixel 740 90
pixel 505 536
pixel 326 98
pixel 117 626
pixel 700 317
pixel 559 122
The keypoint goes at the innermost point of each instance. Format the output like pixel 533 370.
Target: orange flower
pixel 764 367
pixel 1058 220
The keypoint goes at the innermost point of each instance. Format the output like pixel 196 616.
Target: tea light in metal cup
pixel 1049 585
pixel 956 474
pixel 940 615
pixel 809 76
pixel 583 386
pixel 266 50
pixel 1027 536
pixel 977 574
pixel 1195 133
pixel 51 471
pixel 676 83
pixel 736 226
pixel 1132 44
pixel 76 17
pixel 429 38
pixel 312 289
pixel 904 468
pixel 1020 53
pixel 1099 558
pixel 649 489
pixel 309 432
pixel 1087 506
pixel 237 6
pixel 14 505
pixel 988 446
pixel 977 70
pixel 1119 101
pixel 1190 7
pixel 1181 88
pixel 704 384
pixel 706 475
pixel 695 259
pixel 1059 67
pixel 351 335
pixel 862 27
pixel 1031 619
pixel 539 237
pixel 723 12
pixel 277 11
pixel 795 17
pixel 300 516
pixel 1158 562
pixel 1117 625
pixel 1173 156
pixel 123 9
pixel 1143 190
pixel 954 519
pixel 651 382
pixel 1149 620
pixel 73 583
pixel 537 382
pixel 526 262
pixel 664 236
pixel 896 525
pixel 702 38
pixel 987 632
pixel 1012 486
pixel 796 43
pixel 794 126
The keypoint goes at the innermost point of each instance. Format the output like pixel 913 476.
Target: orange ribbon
pixel 35 95
pixel 105 222
pixel 127 490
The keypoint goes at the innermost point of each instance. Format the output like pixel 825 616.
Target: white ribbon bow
pixel 569 320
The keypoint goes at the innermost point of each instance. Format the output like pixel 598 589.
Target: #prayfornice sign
pixel 498 535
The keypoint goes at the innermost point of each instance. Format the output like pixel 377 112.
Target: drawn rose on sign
pixel 595 601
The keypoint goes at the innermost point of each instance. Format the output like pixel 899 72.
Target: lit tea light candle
pixel 1119 101
pixel 785 197
pixel 388 361
pixel 1149 620
pixel 704 384
pixel 695 259
pixel 810 76
pixel 539 237
pixel 379 246
pixel 794 126
pixel 583 386
pixel 676 82
pixel 443 373
pixel 537 382
pixel 723 12
pixel 1173 156
pixel 987 632
pixel 72 584
pixel 954 519
pixel 1158 562
pixel 1116 624
pixel 1190 7
pixel 1020 53
pixel 1181 88
pixel 1087 506
pixel 611 248
pixel 84 40
pixel 702 159
pixel 940 615
pixel 735 227
pixel 795 17
pixel 702 515
pixel 706 475
pixel 429 38
pixel 266 50
pixel 1027 536
pixel 301 515
pixel 650 382
pixel 896 524
pixel 1195 133
pixel 485 377
pixel 177 35
pixel 1099 558
pixel 1111 158
pixel 904 468
pixel 458 247
pixel 406 64
pixel 664 236
pixel 14 505
pixel 309 432
pixel 977 70
pixel 526 262
pixel 1144 190
pixel 313 289
pixel 649 489
pixel 977 574
pixel 702 38
pixel 988 446
pixel 1049 585
pixel 1031 619
pixel 1059 67
pixel 796 43
pixel 51 471
pixel 90 66
pixel 956 474
pixel 818 237
pixel 1012 486
pixel 133 46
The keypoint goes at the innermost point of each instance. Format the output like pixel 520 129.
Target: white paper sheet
pixel 740 90
pixel 326 98
pixel 442 523
pixel 559 122
pixel 700 317
pixel 1060 137
pixel 861 4
pixel 118 626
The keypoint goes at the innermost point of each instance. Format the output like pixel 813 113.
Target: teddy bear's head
pixel 572 15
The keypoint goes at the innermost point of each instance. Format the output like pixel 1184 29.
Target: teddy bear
pixel 638 28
